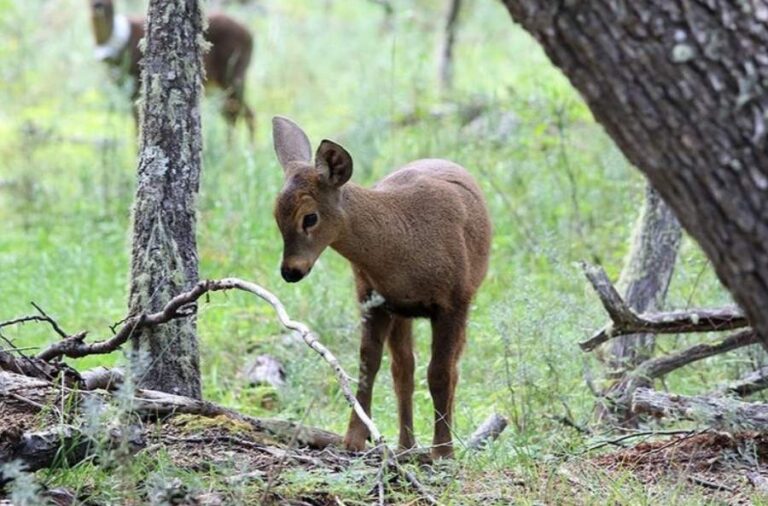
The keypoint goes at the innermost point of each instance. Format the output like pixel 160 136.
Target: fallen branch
pixel 654 368
pixel 625 321
pixel 726 414
pixel 37 368
pixel 101 378
pixel 748 384
pixel 618 441
pixel 658 367
pixel 714 485
pixel 487 431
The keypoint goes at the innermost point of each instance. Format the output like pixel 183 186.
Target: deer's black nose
pixel 290 274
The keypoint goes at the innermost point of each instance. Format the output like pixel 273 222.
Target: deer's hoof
pixel 354 441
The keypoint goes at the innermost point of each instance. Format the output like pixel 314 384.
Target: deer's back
pixel 443 241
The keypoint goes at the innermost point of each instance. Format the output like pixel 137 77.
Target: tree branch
pixel 625 321
pixel 657 367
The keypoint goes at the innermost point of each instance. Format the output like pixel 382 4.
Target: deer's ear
pixel 333 162
pixel 291 143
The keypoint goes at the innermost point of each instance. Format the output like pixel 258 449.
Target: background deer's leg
pixel 448 336
pixel 401 349
pixel 376 326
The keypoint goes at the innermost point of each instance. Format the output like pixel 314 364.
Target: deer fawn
pixel 418 242
pixel 226 63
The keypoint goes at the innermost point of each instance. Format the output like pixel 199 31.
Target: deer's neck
pixel 112 35
pixel 373 227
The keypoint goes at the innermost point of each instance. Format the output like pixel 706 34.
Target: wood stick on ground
pixel 102 378
pixel 625 321
pixel 719 413
pixel 487 431
pixel 618 441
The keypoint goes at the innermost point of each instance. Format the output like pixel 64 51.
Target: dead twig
pixel 645 433
pixel 625 321
pixel 710 484
pixel 50 320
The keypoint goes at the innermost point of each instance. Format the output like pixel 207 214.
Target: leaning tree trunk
pixel 164 255
pixel 447 43
pixel 680 86
pixel 644 282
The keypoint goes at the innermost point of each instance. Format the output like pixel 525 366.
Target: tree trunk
pixel 680 86
pixel 646 275
pixel 164 255
pixel 644 282
pixel 447 42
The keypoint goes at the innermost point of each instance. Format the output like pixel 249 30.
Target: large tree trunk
pixel 164 256
pixel 644 282
pixel 679 85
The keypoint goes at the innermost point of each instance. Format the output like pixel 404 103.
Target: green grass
pixel 559 191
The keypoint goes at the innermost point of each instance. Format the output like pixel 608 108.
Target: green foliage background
pixel 559 191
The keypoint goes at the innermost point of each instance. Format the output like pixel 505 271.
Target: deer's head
pixel 308 210
pixel 102 14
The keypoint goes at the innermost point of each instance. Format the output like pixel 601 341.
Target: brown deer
pixel 226 63
pixel 418 242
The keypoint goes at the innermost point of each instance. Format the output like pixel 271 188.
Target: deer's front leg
pixel 448 336
pixel 376 326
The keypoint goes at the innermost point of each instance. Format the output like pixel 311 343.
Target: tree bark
pixel 164 255
pixel 680 86
pixel 447 43
pixel 644 282
pixel 646 275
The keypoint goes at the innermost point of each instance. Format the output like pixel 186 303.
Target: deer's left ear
pixel 333 162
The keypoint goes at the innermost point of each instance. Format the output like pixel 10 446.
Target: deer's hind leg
pixel 448 336
pixel 401 349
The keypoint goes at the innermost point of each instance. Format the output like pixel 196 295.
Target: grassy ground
pixel 558 190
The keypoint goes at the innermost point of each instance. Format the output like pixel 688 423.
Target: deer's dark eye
pixel 309 221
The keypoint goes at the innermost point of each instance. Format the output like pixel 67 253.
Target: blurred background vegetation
pixel 559 191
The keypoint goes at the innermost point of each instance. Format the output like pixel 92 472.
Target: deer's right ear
pixel 291 143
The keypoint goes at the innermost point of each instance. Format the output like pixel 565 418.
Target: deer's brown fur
pixel 226 63
pixel 419 239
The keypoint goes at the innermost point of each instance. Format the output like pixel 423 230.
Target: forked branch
pixel 625 321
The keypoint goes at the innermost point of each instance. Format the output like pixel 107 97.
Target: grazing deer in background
pixel 226 63
pixel 418 242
